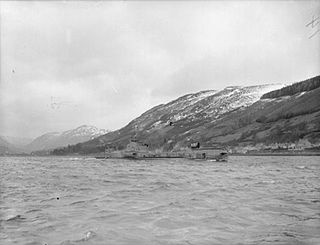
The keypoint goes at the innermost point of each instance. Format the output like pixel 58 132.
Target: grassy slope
pixel 284 119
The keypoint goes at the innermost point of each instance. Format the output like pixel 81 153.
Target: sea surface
pixel 248 200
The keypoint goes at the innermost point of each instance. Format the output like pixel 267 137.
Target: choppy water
pixel 249 200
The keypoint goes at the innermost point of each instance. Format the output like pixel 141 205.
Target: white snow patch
pixel 300 94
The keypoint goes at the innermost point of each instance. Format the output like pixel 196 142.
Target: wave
pixel 16 218
pixel 77 202
pixel 88 236
pixel 33 210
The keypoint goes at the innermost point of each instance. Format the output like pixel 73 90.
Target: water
pixel 249 200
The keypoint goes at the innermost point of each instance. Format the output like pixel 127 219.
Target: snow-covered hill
pixel 202 106
pixel 84 130
pixel 59 139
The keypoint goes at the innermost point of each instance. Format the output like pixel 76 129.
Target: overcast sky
pixel 64 64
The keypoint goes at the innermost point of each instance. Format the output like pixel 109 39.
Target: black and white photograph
pixel 181 122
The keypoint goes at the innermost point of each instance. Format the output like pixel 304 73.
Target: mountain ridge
pixel 237 116
pixel 53 140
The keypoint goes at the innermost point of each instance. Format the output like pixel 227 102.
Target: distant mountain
pixel 60 139
pixel 234 117
pixel 7 148
pixel 17 141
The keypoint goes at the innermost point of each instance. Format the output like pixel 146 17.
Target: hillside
pixel 236 116
pixel 60 139
pixel 295 88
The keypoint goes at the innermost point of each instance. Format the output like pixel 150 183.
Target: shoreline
pixel 230 154
pixel 277 154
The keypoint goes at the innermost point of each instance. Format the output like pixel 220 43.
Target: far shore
pixel 276 154
pixel 302 153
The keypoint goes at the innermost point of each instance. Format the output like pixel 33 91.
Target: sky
pixel 65 64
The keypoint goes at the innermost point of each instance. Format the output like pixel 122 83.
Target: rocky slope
pixel 60 139
pixel 235 116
